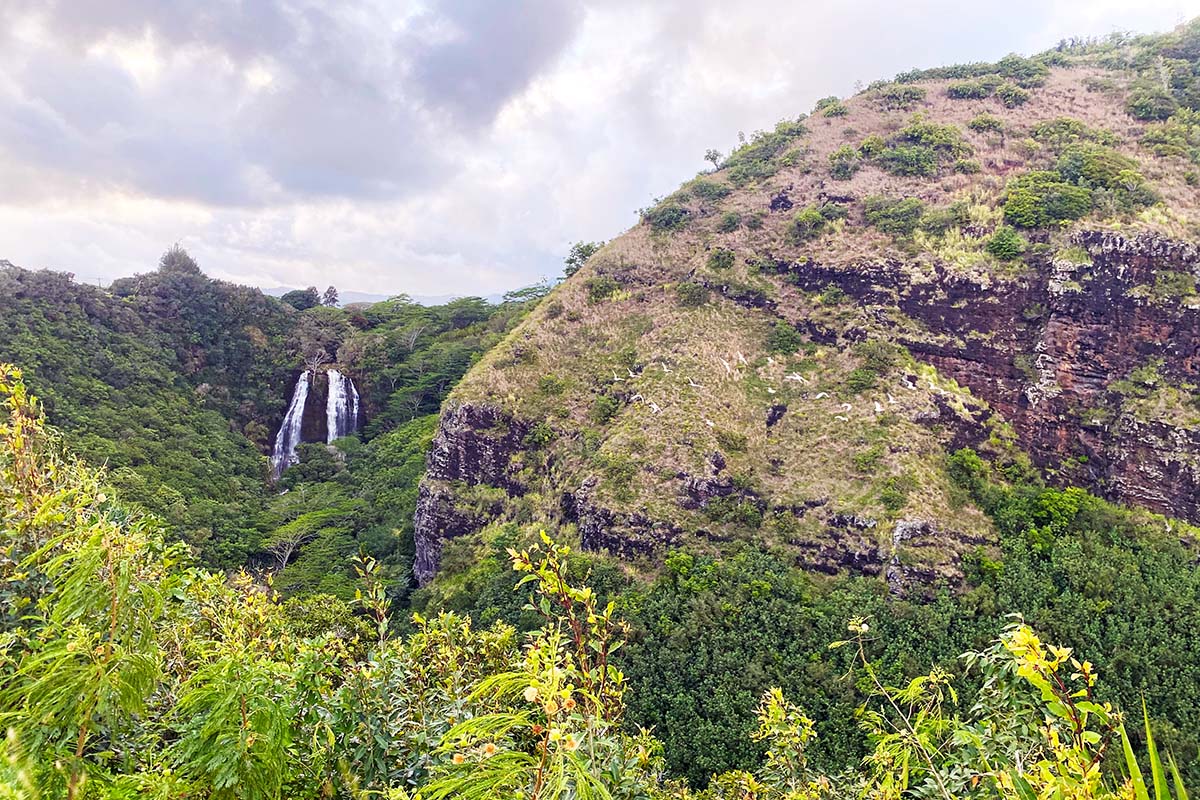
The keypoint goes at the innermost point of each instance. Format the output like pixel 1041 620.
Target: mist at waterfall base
pixel 341 417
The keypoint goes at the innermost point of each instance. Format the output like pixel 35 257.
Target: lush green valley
pixel 177 383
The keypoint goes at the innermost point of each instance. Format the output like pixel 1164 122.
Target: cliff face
pixel 474 446
pixel 1050 352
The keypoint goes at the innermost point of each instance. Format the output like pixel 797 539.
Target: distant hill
pixel 347 298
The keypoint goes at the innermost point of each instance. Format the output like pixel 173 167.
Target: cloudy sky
pixel 451 147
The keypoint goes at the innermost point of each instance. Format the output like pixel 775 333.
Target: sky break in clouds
pixel 430 148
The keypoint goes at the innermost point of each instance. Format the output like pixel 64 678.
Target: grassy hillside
pixel 787 347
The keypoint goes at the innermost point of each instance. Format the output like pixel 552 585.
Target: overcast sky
pixel 430 148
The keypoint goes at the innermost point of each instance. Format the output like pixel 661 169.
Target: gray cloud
pixel 438 146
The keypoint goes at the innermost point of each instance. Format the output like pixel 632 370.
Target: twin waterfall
pixel 341 407
pixel 340 419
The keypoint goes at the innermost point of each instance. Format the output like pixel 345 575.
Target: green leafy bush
pixel 872 146
pixel 1006 244
pixel 919 148
pixel 708 190
pixel 894 215
pixel 986 123
pixel 861 379
pixel 810 221
pixel 604 408
pixel 691 295
pixel 1062 132
pixel 1151 103
pixel 909 160
pixel 969 90
pixel 1178 136
pixel 1042 198
pixel 844 163
pixel 721 258
pixel 730 221
pixel 600 288
pixel 666 217
pixel 899 96
pixel 1027 72
pixel 764 154
pixel 1012 95
pixel 784 338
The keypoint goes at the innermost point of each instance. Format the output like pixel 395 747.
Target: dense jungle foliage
pixel 177 384
pixel 127 671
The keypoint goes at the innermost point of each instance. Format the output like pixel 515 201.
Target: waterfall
pixel 284 454
pixel 341 407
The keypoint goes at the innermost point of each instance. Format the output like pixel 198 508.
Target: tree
pixel 714 157
pixel 303 299
pixel 580 253
pixel 330 298
pixel 177 260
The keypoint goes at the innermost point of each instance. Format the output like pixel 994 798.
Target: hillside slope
pixel 786 349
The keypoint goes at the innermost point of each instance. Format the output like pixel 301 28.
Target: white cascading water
pixel 284 454
pixel 341 407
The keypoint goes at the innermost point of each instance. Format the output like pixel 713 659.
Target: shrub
pixel 730 221
pixel 986 123
pixel 810 221
pixel 1102 168
pixel 600 288
pixel 825 102
pixel 604 408
pixel 967 166
pixel 894 494
pixel 844 162
pixel 1006 244
pixel 836 110
pixel 551 385
pixel 784 339
pixel 539 436
pixel 1064 131
pixel 1023 71
pixel 918 149
pixel 1094 165
pixel 945 139
pixel 899 96
pixel 831 295
pixel 734 510
pixel 721 258
pixel 877 356
pixel 860 380
pixel 968 90
pixel 666 217
pixel 1150 103
pixel 1179 136
pixel 1011 95
pixel 897 216
pixel 755 221
pixel 708 190
pixel 764 154
pixel 872 146
pixel 691 295
pixel 936 221
pixel 731 441
pixel 909 161
pixel 1041 198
